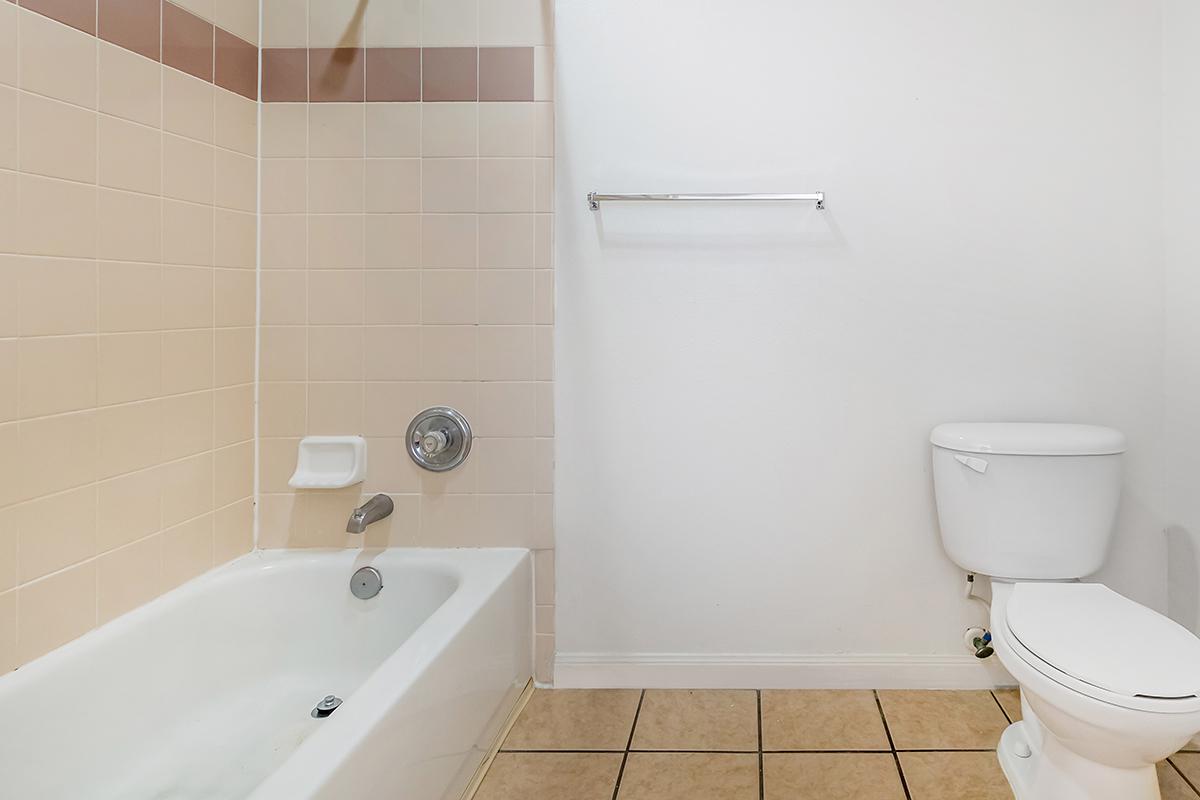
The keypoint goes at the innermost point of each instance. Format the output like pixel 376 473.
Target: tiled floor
pixel 625 744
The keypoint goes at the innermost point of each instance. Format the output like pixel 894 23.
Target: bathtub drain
pixel 326 707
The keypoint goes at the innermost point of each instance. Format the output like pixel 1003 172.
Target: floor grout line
pixel 1003 710
pixel 639 751
pixel 1175 767
pixel 628 745
pixel 761 781
pixel 892 744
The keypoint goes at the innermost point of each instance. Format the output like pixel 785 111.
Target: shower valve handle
pixel 434 442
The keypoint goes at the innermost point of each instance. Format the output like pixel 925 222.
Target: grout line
pixel 571 752
pixel 1186 780
pixel 628 745
pixel 751 752
pixel 761 781
pixel 1001 705
pixel 892 744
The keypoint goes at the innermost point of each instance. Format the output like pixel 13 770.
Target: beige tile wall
pixel 127 313
pixel 407 262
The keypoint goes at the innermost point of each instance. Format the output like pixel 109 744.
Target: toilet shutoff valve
pixel 979 642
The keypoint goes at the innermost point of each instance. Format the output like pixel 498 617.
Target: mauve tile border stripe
pixel 235 75
pixel 287 69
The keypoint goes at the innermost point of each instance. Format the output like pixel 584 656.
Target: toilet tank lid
pixel 1028 438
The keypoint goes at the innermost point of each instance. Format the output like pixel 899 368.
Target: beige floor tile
pixel 831 776
pixel 551 776
pixel 954 776
pixel 822 720
pixel 575 719
pixel 1010 699
pixel 1171 785
pixel 1189 765
pixel 1193 746
pixel 943 720
pixel 688 776
pixel 681 719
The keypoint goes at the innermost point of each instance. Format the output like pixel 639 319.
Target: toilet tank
pixel 1027 500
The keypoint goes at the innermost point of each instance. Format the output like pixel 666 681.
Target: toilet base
pixel 1052 772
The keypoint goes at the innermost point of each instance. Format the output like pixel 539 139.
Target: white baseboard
pixel 769 671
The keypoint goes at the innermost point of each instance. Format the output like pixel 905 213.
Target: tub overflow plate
pixel 366 583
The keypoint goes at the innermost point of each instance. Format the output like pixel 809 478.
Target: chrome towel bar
pixel 595 198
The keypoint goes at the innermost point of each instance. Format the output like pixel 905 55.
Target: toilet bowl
pixel 1109 688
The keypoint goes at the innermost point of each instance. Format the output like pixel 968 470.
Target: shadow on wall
pixel 1183 578
pixel 342 65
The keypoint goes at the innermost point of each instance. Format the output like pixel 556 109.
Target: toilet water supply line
pixel 978 639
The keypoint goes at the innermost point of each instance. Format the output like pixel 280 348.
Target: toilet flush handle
pixel 970 462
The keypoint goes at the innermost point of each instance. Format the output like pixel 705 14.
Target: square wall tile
pixel 187 42
pixel 132 24
pixel 393 185
pixel 59 140
pixel 284 75
pixel 394 24
pixel 236 119
pixel 79 14
pixel 506 129
pixel 57 61
pixel 449 130
pixel 516 22
pixel 393 74
pixel 56 218
pixel 336 130
pixel 505 73
pixel 55 610
pixel 8 44
pixel 57 532
pixel 235 64
pixel 337 74
pixel 449 23
pixel 130 156
pixel 449 185
pixel 335 23
pixel 285 23
pixel 394 130
pixel 130 86
pixel 239 17
pixel 188 105
pixel 449 74
pixel 285 130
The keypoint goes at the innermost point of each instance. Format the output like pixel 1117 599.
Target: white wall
pixel 745 394
pixel 1181 159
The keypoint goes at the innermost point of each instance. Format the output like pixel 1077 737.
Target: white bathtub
pixel 206 693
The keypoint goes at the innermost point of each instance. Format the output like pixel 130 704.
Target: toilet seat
pixel 1103 645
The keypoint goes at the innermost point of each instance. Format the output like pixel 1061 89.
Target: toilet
pixel 1108 687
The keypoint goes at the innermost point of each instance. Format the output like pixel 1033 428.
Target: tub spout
pixel 373 510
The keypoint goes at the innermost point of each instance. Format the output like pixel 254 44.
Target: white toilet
pixel 1108 686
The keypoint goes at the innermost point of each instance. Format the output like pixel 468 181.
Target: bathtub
pixel 206 693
